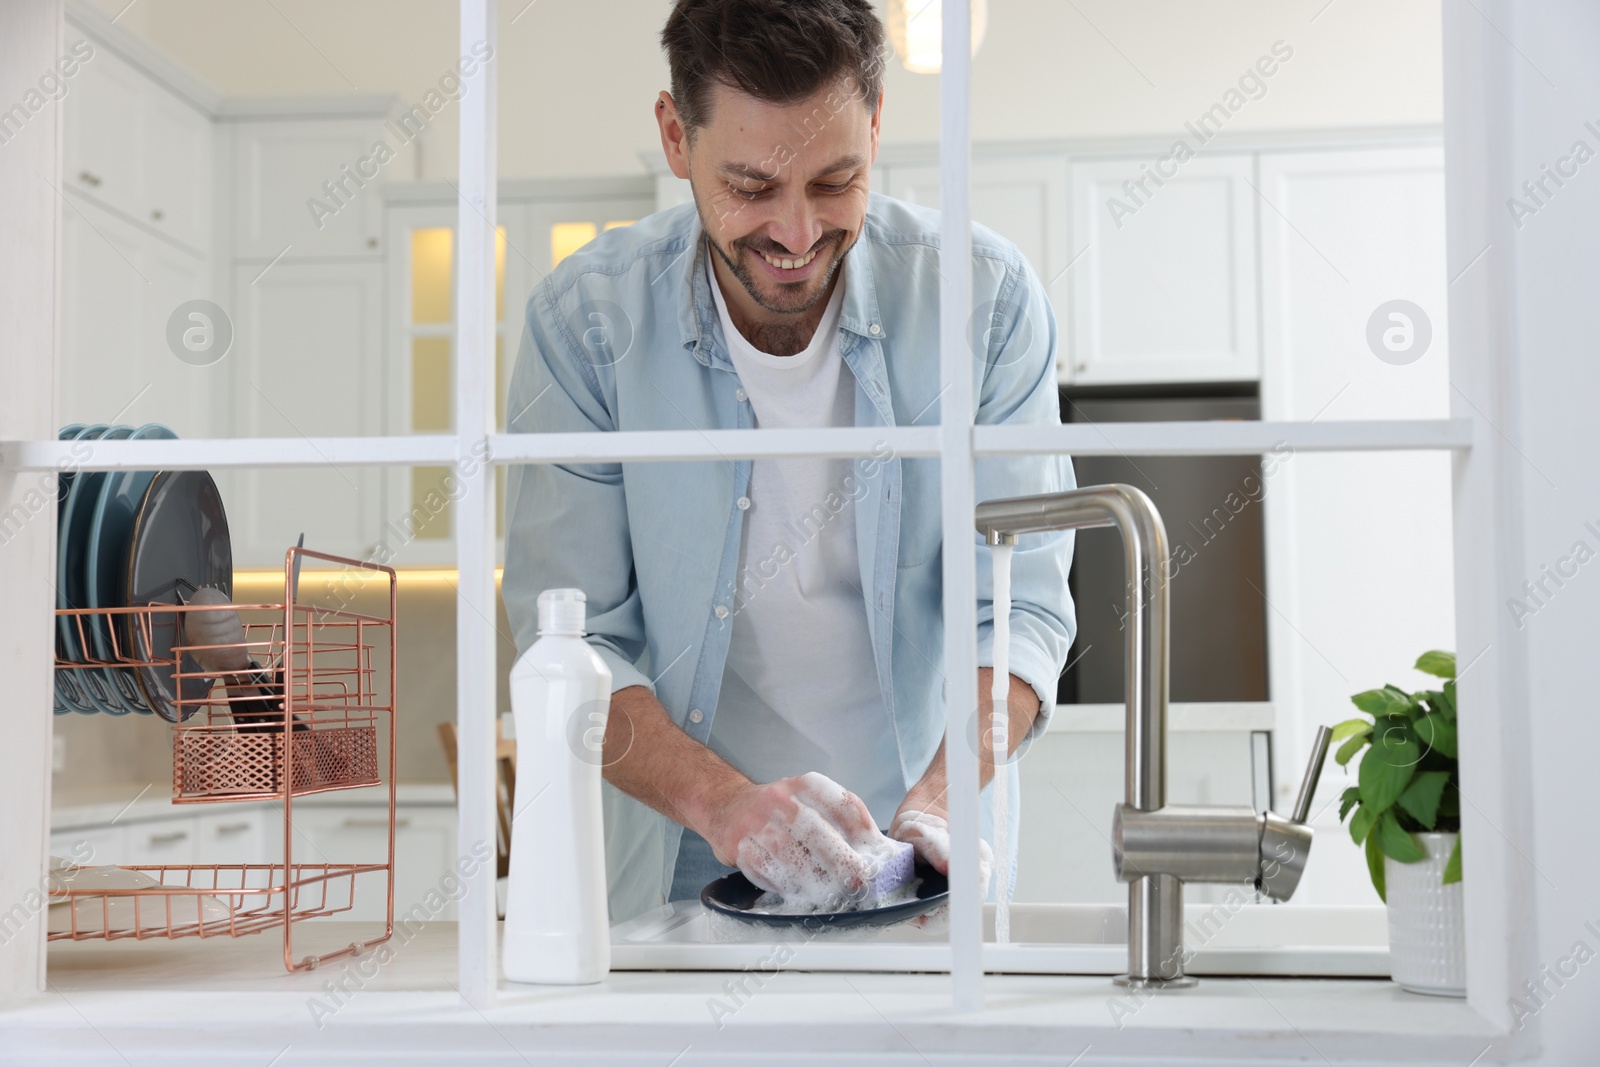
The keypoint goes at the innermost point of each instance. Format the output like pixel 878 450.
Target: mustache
pixel 772 248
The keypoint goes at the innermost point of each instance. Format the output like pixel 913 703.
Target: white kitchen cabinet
pixel 119 287
pixel 1165 289
pixel 180 174
pixel 229 834
pixel 540 223
pixel 90 846
pixel 162 842
pixel 307 361
pixel 283 169
pixel 425 855
pixel 102 156
pixel 138 149
pixel 1023 200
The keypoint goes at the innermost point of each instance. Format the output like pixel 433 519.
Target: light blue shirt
pixel 623 335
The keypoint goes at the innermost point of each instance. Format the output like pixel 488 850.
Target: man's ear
pixel 674 138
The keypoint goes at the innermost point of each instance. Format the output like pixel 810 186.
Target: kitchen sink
pixel 1234 937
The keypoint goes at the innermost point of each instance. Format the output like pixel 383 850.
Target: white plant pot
pixel 1427 927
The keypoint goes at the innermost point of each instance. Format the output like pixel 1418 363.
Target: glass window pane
pixel 431 251
pixel 567 237
pixel 499 273
pixel 500 382
pixel 429 519
pixel 430 385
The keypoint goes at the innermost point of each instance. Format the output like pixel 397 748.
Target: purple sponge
pixel 898 862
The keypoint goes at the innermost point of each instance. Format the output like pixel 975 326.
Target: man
pixel 773 627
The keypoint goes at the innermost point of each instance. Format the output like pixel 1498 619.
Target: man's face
pixel 782 188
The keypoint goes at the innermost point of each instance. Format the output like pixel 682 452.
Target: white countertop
pixel 101 805
pixel 190 1001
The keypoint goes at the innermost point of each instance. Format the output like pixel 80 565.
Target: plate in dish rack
pixel 179 543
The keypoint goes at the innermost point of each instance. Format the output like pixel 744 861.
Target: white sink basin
pixel 1227 938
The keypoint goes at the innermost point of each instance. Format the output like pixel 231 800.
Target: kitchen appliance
pixel 1213 507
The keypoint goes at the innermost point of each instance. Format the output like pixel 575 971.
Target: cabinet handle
pixel 169 839
pixel 353 823
pixel 157 214
pixel 88 179
pixel 234 828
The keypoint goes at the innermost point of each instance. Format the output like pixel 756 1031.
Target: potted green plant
pixel 1406 810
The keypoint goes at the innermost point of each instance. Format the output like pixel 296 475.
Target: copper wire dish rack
pixel 322 677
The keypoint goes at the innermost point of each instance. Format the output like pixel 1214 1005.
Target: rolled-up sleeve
pixel 1018 386
pixel 567 524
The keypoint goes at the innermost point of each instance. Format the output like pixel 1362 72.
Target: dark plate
pixel 733 895
pixel 72 577
pixel 70 696
pixel 121 495
pixel 179 543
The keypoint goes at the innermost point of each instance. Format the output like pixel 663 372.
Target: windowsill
pixel 152 996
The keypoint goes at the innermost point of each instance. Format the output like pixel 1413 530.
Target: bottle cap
pixel 562 612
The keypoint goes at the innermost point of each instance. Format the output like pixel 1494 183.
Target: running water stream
pixel 1000 741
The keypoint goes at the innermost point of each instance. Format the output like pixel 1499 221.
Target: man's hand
pixel 929 834
pixel 803 838
pixel 922 820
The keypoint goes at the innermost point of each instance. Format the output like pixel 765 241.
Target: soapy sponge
pixel 896 870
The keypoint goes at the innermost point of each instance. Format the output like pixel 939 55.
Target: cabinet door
pixel 163 842
pixel 1024 201
pixel 1165 290
pixel 424 846
pixel 309 186
pixel 309 349
pixel 104 145
pixel 178 170
pixel 105 298
pixel 91 846
pixel 120 285
pixel 230 837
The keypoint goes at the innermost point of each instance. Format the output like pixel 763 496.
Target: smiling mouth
pixel 790 264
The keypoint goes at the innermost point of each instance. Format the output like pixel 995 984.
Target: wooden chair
pixel 505 755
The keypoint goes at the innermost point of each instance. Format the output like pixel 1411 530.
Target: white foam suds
pixel 1000 741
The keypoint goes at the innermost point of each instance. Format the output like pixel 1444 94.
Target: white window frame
pixel 1499 937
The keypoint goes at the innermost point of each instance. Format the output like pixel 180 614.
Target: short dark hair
pixel 780 51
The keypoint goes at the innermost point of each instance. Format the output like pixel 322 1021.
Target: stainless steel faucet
pixel 1157 847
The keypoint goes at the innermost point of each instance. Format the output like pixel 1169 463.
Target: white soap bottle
pixel 557 929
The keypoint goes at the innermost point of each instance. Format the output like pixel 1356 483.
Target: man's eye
pixel 749 194
pixel 836 188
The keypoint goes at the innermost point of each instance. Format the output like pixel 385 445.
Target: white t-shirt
pixel 800 691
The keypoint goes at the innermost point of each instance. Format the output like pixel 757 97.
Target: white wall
pixel 1522 86
pixel 1554 382
pixel 578 77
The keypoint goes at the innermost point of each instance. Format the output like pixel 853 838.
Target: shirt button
pixel 696 715
pixel 722 611
pixel 743 503
pixel 741 395
pixel 874 329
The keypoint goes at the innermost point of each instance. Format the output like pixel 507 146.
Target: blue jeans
pixel 697 867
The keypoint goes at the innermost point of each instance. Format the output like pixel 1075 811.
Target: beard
pixel 789 298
